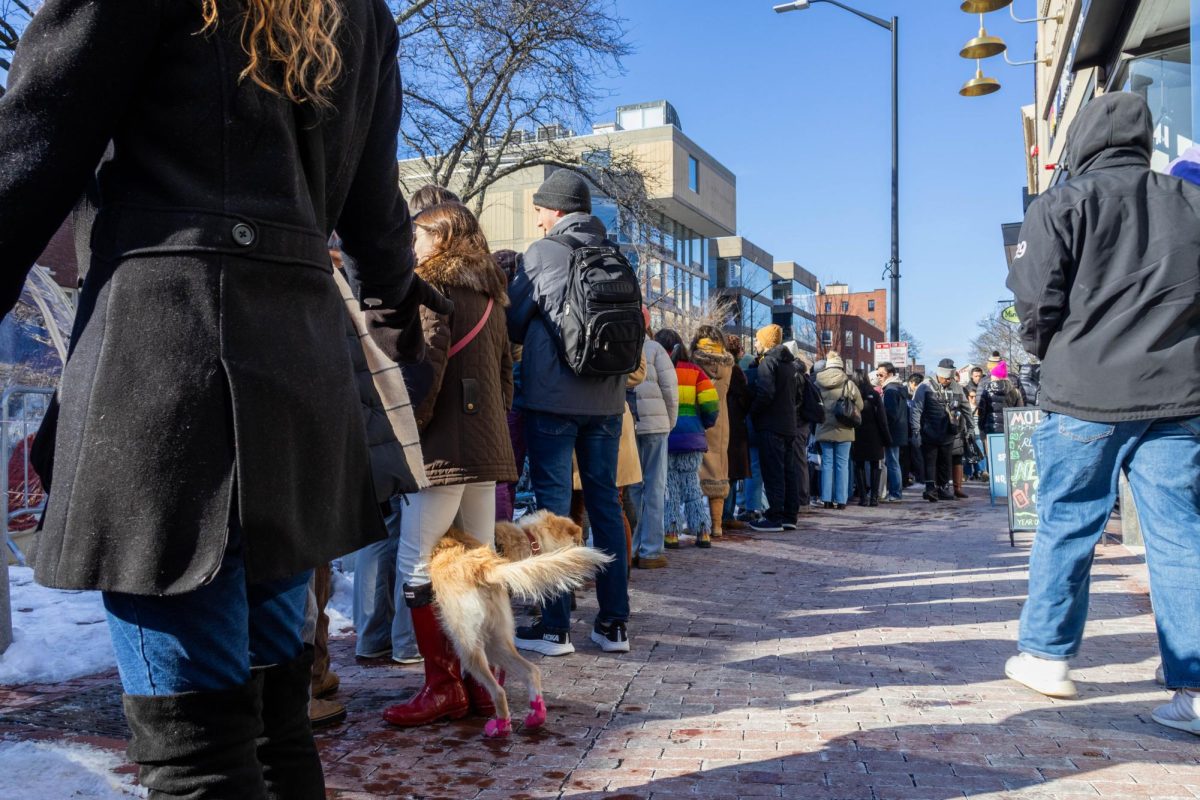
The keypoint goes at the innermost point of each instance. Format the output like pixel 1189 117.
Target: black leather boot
pixel 197 745
pixel 291 767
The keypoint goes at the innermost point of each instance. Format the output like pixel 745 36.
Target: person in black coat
pixel 208 442
pixel 895 409
pixel 773 412
pixel 871 439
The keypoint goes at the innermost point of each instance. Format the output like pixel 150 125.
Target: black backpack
pixel 600 326
pixel 812 410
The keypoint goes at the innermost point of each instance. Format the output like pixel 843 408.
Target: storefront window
pixel 1164 80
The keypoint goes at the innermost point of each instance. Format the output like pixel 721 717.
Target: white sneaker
pixel 1043 675
pixel 1182 713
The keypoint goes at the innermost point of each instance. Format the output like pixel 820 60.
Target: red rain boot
pixel 443 696
pixel 481 701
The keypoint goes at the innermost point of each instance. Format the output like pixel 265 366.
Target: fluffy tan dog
pixel 543 556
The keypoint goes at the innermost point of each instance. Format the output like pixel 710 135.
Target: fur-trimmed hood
pixel 478 273
pixel 717 365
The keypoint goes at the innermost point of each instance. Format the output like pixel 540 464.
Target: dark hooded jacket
pixel 1107 276
pixel 773 405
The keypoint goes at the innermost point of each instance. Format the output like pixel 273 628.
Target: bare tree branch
pixel 414 7
pixel 996 334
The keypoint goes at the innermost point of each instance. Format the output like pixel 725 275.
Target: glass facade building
pixel 795 311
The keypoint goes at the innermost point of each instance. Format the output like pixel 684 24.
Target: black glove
pixel 397 331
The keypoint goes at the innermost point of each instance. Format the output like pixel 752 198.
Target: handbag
pixel 844 411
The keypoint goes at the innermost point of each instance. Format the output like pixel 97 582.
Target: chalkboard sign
pixel 1019 425
pixel 997 465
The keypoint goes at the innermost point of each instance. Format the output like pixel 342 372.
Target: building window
pixel 845 306
pixel 870 305
pixel 828 307
pixel 827 338
pixel 849 338
pixel 693 174
pixel 872 321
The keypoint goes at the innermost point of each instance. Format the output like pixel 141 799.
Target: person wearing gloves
pixel 836 437
pixel 200 507
pixel 709 353
pixel 687 508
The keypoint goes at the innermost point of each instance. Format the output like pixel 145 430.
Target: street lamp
pixel 894 27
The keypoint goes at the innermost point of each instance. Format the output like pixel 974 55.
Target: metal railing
pixel 20 486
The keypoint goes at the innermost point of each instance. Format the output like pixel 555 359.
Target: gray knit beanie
pixel 945 368
pixel 564 191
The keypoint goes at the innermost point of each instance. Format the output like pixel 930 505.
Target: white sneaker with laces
pixel 1046 676
pixel 1182 713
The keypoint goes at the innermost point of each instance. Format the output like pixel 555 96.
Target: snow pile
pixel 56 770
pixel 341 604
pixel 57 635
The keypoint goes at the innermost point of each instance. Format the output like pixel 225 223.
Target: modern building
pixel 742 276
pixel 1088 47
pixel 693 198
pixel 795 299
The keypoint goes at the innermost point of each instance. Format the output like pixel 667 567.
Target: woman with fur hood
pixel 710 355
pixel 462 391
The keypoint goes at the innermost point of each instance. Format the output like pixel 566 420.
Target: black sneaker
pixel 540 640
pixel 765 525
pixel 789 526
pixel 611 636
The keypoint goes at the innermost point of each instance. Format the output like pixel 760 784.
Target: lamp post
pixel 894 27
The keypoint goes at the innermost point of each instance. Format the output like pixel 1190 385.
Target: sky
pixel 797 105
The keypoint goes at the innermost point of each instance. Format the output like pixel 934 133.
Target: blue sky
pixel 798 106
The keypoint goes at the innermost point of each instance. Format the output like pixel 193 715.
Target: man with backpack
pixel 773 412
pixel 936 407
pixel 579 343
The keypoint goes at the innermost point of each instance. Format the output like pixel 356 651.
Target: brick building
pixel 836 298
pixel 852 337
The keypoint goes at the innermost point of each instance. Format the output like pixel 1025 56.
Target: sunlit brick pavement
pixel 859 658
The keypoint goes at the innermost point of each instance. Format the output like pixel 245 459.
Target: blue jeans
pixel 381 618
pixel 755 500
pixel 207 640
pixel 1079 463
pixel 594 440
pixel 835 472
pixel 650 496
pixel 895 481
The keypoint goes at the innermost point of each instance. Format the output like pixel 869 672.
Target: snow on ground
pixel 57 635
pixel 57 770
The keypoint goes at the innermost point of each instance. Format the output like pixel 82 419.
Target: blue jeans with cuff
pixel 381 619
pixel 1079 463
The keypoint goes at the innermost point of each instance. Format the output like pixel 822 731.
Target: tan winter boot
pixel 716 506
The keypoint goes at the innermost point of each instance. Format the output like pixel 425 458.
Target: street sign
pixel 895 352
pixel 1010 315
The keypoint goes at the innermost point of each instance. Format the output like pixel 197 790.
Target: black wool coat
pixel 873 436
pixel 209 372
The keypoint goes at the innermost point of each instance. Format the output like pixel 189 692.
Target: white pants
pixel 470 507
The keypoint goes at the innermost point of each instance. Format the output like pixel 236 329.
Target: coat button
pixel 243 234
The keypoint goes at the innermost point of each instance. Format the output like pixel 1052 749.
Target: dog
pixel 538 559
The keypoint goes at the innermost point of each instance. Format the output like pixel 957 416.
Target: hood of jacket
pixel 477 273
pixel 713 361
pixel 893 380
pixel 831 378
pixel 580 222
pixel 1113 130
pixel 781 354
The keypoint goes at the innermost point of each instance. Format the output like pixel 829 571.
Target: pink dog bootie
pixel 497 728
pixel 537 717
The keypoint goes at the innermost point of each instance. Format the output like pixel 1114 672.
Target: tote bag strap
pixel 466 340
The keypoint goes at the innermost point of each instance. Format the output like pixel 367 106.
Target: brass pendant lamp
pixel 980 85
pixel 984 6
pixel 983 45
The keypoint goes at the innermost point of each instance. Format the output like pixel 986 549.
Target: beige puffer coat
pixel 833 382
pixel 717 363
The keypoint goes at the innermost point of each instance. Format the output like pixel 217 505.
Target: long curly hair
pixel 299 35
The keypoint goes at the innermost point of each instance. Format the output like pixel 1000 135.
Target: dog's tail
pixel 544 577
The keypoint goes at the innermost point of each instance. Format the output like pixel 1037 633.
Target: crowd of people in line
pixel 699 438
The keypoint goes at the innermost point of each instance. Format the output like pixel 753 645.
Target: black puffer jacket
pixel 773 407
pixel 1106 279
pixel 998 395
pixel 931 411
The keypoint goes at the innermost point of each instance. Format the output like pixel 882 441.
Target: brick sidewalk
pixel 860 659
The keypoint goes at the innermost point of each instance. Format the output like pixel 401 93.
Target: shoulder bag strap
pixel 466 340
